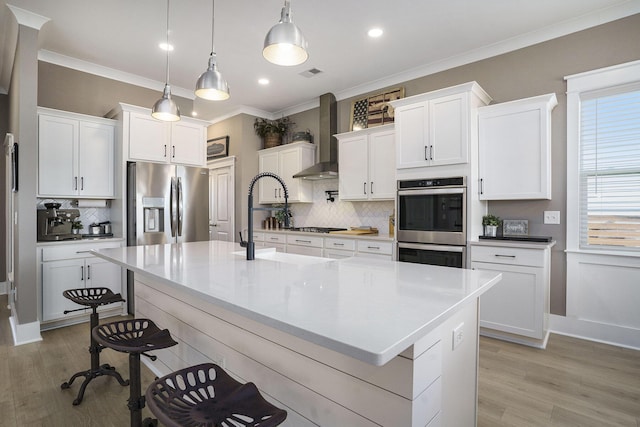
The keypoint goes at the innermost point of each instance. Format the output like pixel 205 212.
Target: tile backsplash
pixel 322 213
pixel 87 215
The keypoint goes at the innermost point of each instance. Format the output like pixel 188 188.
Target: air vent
pixel 310 73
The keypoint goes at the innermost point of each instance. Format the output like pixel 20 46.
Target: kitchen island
pixel 351 342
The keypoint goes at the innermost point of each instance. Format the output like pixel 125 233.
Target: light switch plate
pixel 552 217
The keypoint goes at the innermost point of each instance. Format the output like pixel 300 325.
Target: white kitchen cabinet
pixel 375 248
pixel 367 165
pixel 302 244
pixel 148 139
pixel 75 155
pixel 517 308
pixel 515 149
pixel 70 267
pixel 338 248
pixel 436 128
pixel 276 240
pixel 285 161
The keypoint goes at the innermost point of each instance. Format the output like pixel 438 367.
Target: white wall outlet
pixel 552 217
pixel 458 335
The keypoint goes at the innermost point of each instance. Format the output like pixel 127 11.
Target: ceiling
pixel 119 39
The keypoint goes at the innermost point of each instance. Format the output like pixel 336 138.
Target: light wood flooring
pixel 571 383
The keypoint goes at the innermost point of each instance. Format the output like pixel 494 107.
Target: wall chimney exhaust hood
pixel 327 167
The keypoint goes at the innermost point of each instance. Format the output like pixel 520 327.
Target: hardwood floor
pixel 571 383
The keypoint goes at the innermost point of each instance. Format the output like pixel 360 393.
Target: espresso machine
pixel 56 224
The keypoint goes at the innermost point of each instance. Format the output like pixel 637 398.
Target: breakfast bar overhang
pixel 351 342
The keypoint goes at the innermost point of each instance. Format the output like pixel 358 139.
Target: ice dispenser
pixel 153 209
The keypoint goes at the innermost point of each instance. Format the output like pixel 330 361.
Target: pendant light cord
pixel 167 80
pixel 213 21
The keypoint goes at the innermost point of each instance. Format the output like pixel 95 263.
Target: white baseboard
pixel 25 333
pixel 3 288
pixel 592 331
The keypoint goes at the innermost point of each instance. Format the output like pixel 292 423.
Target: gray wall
pixel 4 128
pixel 531 71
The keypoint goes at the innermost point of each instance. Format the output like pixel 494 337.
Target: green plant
pixel 280 214
pixel 265 126
pixel 491 220
pixel 76 225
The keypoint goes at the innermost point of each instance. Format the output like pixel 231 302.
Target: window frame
pixel 579 86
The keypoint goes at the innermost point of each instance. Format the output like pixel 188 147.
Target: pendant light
pixel 211 85
pixel 165 108
pixel 284 43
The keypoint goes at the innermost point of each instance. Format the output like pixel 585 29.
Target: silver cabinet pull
pixel 426 157
pixel 364 187
pixel 481 186
pixel 75 182
pixel 303 241
pixel 373 247
pixel 88 272
pixel 82 183
pixel 505 256
pixel 81 272
pixel 173 151
pixel 431 152
pixel 165 150
pixel 83 252
pixel 371 187
pixel 338 244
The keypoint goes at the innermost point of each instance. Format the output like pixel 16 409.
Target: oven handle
pixel 456 190
pixel 442 248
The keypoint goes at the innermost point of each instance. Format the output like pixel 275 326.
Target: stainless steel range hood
pixel 327 167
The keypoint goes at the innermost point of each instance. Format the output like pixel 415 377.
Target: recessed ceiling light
pixel 375 32
pixel 165 46
pixel 263 81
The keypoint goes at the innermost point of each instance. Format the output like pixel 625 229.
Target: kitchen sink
pixel 271 254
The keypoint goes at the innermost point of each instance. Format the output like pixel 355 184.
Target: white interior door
pixel 222 200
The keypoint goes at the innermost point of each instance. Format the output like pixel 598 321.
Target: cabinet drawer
pixel 338 253
pixel 53 253
pixel 304 250
pixel 312 241
pixel 375 247
pixel 274 238
pixel 341 244
pixel 258 236
pixel 507 255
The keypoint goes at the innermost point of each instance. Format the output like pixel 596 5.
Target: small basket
pixel 272 140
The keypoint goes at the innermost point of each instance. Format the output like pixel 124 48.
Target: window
pixel 603 161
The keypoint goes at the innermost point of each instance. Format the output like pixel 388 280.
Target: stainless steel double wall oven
pixel 431 221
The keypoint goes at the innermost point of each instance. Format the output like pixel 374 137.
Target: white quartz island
pixel 352 342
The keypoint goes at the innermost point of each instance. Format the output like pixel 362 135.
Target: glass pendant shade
pixel 211 85
pixel 165 108
pixel 284 43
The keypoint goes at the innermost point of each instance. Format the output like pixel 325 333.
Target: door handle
pixel 172 207
pixel 165 150
pixel 364 187
pixel 371 187
pixel 426 157
pixel 481 186
pixel 431 152
pixel 75 182
pixel 82 183
pixel 173 151
pixel 88 272
pixel 180 206
pixel 81 272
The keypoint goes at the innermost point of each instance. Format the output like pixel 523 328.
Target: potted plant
pixel 272 131
pixel 490 223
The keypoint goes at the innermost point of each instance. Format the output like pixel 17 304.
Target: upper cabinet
pixel 515 149
pixel 147 139
pixel 366 164
pixel 436 128
pixel 285 161
pixel 75 155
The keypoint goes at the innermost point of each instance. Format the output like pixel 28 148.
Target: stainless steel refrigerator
pixel 165 204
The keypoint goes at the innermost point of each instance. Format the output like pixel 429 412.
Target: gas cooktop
pixel 316 229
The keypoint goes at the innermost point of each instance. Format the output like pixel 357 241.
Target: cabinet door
pixel 104 274
pixel 412 137
pixel 448 130
pixel 514 160
pixel 57 151
pixel 148 138
pixel 516 303
pixel 288 165
pixel 188 144
pixel 58 276
pixel 96 160
pixel 268 187
pixel 382 170
pixel 353 175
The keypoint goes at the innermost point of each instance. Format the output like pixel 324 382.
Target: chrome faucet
pixel 249 244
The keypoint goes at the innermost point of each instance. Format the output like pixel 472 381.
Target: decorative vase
pixel 272 140
pixel 490 230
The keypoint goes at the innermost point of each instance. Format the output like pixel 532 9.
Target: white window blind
pixel 610 169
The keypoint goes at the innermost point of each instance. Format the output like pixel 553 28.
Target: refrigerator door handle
pixel 180 206
pixel 172 207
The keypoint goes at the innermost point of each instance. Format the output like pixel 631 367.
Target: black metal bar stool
pixel 134 336
pixel 205 395
pixel 94 298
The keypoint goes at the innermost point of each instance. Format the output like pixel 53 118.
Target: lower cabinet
pixel 304 245
pixel 72 267
pixel 517 308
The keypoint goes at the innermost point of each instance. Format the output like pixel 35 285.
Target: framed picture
pixel 515 227
pixel 217 147
pixel 374 110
